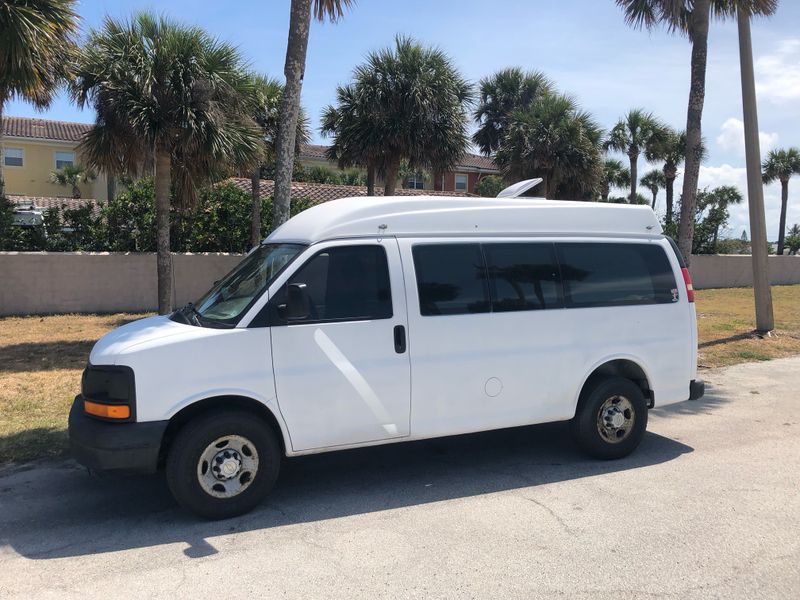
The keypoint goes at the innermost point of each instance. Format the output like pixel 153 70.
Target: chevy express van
pixel 367 321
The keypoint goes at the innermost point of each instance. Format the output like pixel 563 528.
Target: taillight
pixel 687 279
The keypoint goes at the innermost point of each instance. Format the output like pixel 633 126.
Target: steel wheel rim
pixel 228 466
pixel 615 419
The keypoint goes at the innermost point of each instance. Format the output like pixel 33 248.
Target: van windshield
pixel 232 295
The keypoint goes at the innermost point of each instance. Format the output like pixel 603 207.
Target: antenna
pixel 519 188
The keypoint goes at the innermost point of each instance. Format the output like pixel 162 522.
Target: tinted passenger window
pixel 522 276
pixel 615 274
pixel 451 279
pixel 345 283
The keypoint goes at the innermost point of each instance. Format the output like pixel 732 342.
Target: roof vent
pixel 518 189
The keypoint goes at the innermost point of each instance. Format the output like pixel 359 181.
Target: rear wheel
pixel 611 419
pixel 223 464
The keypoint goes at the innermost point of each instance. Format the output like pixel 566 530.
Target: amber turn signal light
pixel 107 411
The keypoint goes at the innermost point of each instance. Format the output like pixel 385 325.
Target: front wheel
pixel 223 464
pixel 611 419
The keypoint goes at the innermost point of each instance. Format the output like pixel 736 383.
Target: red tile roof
pixel 468 161
pixel 323 192
pixel 44 129
pixel 46 202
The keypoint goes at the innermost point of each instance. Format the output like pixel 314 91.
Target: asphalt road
pixel 708 507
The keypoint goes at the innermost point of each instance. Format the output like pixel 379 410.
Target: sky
pixel 584 46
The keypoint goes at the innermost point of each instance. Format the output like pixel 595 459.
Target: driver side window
pixel 343 283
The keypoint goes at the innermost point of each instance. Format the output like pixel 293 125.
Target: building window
pixel 12 157
pixel 461 182
pixel 64 159
pixel 415 182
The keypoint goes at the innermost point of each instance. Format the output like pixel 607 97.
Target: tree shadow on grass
pixel 60 510
pixel 44 356
pixel 33 444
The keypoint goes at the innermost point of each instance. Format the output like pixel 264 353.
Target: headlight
pixel 109 392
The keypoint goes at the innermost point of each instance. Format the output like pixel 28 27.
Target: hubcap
pixel 615 419
pixel 227 466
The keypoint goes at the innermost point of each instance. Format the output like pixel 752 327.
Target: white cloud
pixel 731 137
pixel 778 73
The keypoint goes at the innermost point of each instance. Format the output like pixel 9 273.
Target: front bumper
pixel 104 446
pixel 697 388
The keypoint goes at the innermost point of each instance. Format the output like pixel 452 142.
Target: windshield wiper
pixel 192 314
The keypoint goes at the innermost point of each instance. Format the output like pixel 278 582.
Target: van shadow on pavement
pixel 58 510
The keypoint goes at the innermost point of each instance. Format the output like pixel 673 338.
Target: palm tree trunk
pixel 633 156
pixel 294 69
pixel 2 180
pixel 371 180
pixel 654 199
pixel 255 218
pixel 669 188
pixel 784 202
pixel 76 191
pixel 698 27
pixel 163 256
pixel 111 187
pixel 390 184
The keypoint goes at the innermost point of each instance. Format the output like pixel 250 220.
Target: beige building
pixel 33 148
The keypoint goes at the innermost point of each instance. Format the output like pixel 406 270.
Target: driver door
pixel 342 370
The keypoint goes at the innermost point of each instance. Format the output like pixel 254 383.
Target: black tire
pixel 195 437
pixel 595 435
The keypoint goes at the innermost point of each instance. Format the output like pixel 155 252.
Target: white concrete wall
pixel 64 282
pixel 102 282
pixel 736 270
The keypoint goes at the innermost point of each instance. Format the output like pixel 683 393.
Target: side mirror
pixel 298 304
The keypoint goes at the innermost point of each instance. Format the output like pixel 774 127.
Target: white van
pixel 366 321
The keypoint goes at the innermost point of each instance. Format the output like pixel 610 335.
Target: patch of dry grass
pixel 726 320
pixel 41 359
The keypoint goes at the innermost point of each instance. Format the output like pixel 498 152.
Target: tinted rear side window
pixel 522 276
pixel 451 279
pixel 615 274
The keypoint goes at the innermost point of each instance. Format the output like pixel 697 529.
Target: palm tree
pixel 74 176
pixel 294 69
pixel 411 103
pixel 635 133
pixel 671 149
pixel 780 165
pixel 169 91
pixel 552 139
pixel 37 39
pixel 691 19
pixel 723 196
pixel 268 93
pixel 654 180
pixel 501 94
pixel 793 238
pixel 357 142
pixel 615 175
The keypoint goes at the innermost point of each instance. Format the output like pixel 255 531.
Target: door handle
pixel 399 339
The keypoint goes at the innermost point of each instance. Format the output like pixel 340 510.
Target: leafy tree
pixel 499 96
pixel 489 186
pixel 691 19
pixel 712 215
pixel 173 92
pixel 37 40
pixel 654 180
pixel 634 134
pixel 792 240
pixel 615 175
pixel 553 139
pixel 268 93
pixel 294 69
pixel 780 165
pixel 73 176
pixel 408 100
